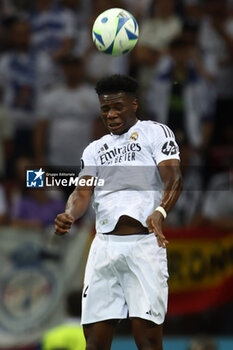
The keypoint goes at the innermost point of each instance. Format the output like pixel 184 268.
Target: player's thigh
pixel 147 335
pixel 99 335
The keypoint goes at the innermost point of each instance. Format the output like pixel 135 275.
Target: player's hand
pixel 63 223
pixel 154 223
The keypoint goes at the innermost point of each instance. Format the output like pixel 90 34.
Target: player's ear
pixel 135 105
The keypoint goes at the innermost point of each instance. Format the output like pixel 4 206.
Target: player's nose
pixel 112 114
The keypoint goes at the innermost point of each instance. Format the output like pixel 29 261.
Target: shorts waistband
pixel 123 238
pixel 127 234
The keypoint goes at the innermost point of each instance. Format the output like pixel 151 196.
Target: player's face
pixel 118 112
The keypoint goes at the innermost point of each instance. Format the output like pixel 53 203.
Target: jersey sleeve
pixel 88 162
pixel 163 143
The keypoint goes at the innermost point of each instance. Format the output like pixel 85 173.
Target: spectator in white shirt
pixel 66 118
pixel 217 209
pixel 53 28
pixel 156 34
pixel 24 74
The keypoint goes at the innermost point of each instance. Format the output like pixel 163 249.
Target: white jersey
pixel 128 165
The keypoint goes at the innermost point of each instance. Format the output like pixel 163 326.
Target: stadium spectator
pixel 188 204
pixel 217 208
pixel 23 75
pixel 30 208
pixel 81 12
pixel 6 140
pixel 139 8
pixel 81 9
pixel 178 81
pixel 3 206
pixel 66 118
pixel 193 11
pixel 53 28
pixel 158 31
pixel 203 343
pixel 68 335
pixel 7 8
pixel 156 34
pixel 35 209
pixel 216 43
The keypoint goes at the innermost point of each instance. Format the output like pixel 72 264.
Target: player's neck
pixel 132 124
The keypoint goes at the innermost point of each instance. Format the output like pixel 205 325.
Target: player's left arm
pixel 172 180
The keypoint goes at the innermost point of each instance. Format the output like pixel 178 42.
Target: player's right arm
pixel 79 199
pixel 76 206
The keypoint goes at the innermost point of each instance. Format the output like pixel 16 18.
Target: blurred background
pixel 49 112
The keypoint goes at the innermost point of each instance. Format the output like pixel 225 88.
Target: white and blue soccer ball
pixel 115 32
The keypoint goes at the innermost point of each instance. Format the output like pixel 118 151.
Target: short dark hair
pixel 117 83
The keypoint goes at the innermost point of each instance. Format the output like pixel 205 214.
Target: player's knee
pixel 92 346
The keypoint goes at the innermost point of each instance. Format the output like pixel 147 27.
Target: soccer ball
pixel 115 32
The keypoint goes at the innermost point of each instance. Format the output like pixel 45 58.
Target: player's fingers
pixel 60 223
pixel 149 225
pixel 162 241
pixel 60 231
pixel 64 219
pixel 157 231
pixel 69 217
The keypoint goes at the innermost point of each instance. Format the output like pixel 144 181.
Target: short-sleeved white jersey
pixel 128 165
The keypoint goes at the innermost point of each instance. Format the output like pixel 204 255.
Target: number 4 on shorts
pixel 85 292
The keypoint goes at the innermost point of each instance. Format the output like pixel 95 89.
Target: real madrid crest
pixel 134 136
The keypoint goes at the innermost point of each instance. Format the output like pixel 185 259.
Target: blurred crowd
pixel 49 110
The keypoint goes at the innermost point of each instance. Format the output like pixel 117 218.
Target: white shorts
pixel 125 276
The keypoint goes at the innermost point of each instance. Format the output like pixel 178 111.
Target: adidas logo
pixel 149 312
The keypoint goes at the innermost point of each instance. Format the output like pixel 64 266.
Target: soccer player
pixel 126 273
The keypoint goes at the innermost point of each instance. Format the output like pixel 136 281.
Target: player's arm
pixel 172 180
pixel 76 206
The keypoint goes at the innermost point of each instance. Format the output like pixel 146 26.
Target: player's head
pixel 118 102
